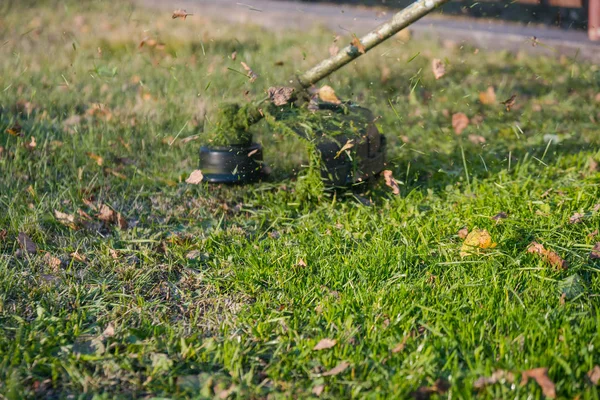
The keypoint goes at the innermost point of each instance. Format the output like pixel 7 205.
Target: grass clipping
pixel 232 125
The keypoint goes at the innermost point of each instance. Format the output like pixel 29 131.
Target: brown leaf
pixel 251 74
pixel 460 121
pixel 463 233
pixel 78 257
pixel 595 254
pixel 576 218
pixel 510 102
pixel 359 46
pixel 65 219
pixel 594 374
pixel 195 177
pixel 391 182
pixel 317 390
pixel 438 68
pixel 280 95
pixel 476 240
pixel 52 262
pixel 338 369
pixel 15 130
pixel 400 346
pixel 327 94
pixel 31 145
pixel 121 222
pixel 105 214
pixel 477 139
pixel 180 14
pixel 440 386
pixel 549 256
pixel 349 144
pixel 3 235
pixel 593 234
pixel 325 344
pixel 302 264
pixel 99 160
pixel 26 243
pixel 497 376
pixel 109 331
pixel 499 216
pixel 488 97
pixel 541 377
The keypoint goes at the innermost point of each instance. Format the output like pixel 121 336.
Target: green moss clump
pixel 232 125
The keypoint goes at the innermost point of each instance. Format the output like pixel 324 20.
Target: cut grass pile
pixel 141 284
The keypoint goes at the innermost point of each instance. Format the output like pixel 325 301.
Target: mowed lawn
pixel 118 279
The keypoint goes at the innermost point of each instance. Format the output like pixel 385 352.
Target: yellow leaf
pixel 327 94
pixel 476 240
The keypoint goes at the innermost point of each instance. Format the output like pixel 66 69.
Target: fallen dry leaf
pixel 31 145
pixel 78 257
pixel 541 377
pixel 180 14
pixel 476 240
pixel 463 233
pixel 3 235
pixel 317 390
pixel 497 376
pixel 325 344
pixel 440 386
pixel 576 218
pixel 359 46
pixel 99 160
pixel 121 222
pixel 593 234
pixel 551 257
pixel 280 95
pixel 327 94
pixel 499 216
pixel 15 130
pixel 594 374
pixel 302 264
pixel 438 68
pixel 510 102
pixel 109 331
pixel 105 214
pixel 349 144
pixel 460 121
pixel 488 97
pixel 251 74
pixel 338 369
pixel 26 243
pixel 477 139
pixel 595 254
pixel 391 182
pixel 65 219
pixel 400 346
pixel 195 177
pixel 51 261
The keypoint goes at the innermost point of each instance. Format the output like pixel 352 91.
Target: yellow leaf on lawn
pixel 326 93
pixel 476 240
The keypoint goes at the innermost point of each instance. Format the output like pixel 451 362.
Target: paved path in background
pixel 484 34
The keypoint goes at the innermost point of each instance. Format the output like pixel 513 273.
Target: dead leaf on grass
pixel 26 243
pixel 460 121
pixel 31 144
pixel 349 144
pixel 15 130
pixel 595 254
pixel 318 390
pixel 51 261
pixel 302 264
pixel 78 257
pixel 576 218
pixel 488 97
pixel 251 74
pixel 499 216
pixel 463 233
pixel 357 43
pixel 594 374
pixel 325 344
pixel 540 375
pixel 3 235
pixel 438 68
pixel 280 95
pixel 476 139
pixel 549 256
pixel 65 219
pixel 105 213
pixel 99 160
pixel 440 386
pixel 195 177
pixel 497 376
pixel 400 346
pixel 180 14
pixel 510 102
pixel 391 182
pixel 338 369
pixel 109 331
pixel 327 94
pixel 475 241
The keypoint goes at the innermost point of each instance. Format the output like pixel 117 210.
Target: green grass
pixel 204 289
